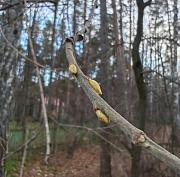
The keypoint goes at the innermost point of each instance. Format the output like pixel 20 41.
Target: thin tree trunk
pixel 128 64
pixel 138 70
pixel 175 88
pixel 43 103
pixel 74 17
pixel 105 156
pixel 119 53
pixel 52 66
pixel 24 152
pixel 84 62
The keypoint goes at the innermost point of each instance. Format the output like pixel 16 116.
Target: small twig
pixel 94 132
pixel 36 63
pixel 162 38
pixel 26 143
pixel 165 77
pixel 24 152
pixel 23 160
pixel 2 147
pixel 88 22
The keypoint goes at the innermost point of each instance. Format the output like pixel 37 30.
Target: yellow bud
pixel 102 116
pixel 72 69
pixel 95 86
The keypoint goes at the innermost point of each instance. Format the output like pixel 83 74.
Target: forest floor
pixel 85 163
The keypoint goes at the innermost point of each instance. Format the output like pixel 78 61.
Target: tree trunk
pixel 7 75
pixel 105 156
pixel 138 69
pixel 51 78
pixel 119 48
pixel 175 91
pixel 119 55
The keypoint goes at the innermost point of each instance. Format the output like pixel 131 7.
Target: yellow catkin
pixel 102 116
pixel 95 86
pixel 72 69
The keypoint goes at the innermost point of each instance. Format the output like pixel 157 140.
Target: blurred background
pixel 50 22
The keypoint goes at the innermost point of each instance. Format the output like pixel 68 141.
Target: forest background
pixel 38 30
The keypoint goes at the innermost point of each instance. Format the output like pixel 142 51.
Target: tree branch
pixel 93 131
pixel 165 77
pixel 10 5
pixel 148 3
pixel 23 56
pixel 26 143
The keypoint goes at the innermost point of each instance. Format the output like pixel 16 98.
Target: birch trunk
pixel 7 74
pixel 176 113
pixel 42 99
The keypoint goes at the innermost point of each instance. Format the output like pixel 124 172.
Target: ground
pixel 84 163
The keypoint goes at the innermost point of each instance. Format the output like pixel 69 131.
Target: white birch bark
pixel 43 103
pixel 12 28
pixel 176 112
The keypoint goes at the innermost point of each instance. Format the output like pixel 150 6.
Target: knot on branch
pixel 70 39
pixel 80 37
pixel 73 39
pixel 140 140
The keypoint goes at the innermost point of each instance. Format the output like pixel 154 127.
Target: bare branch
pixel 162 38
pixel 23 160
pixel 26 143
pixel 10 5
pixel 165 77
pixel 36 63
pixel 94 132
pixel 148 3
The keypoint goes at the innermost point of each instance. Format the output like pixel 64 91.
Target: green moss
pixel 11 167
